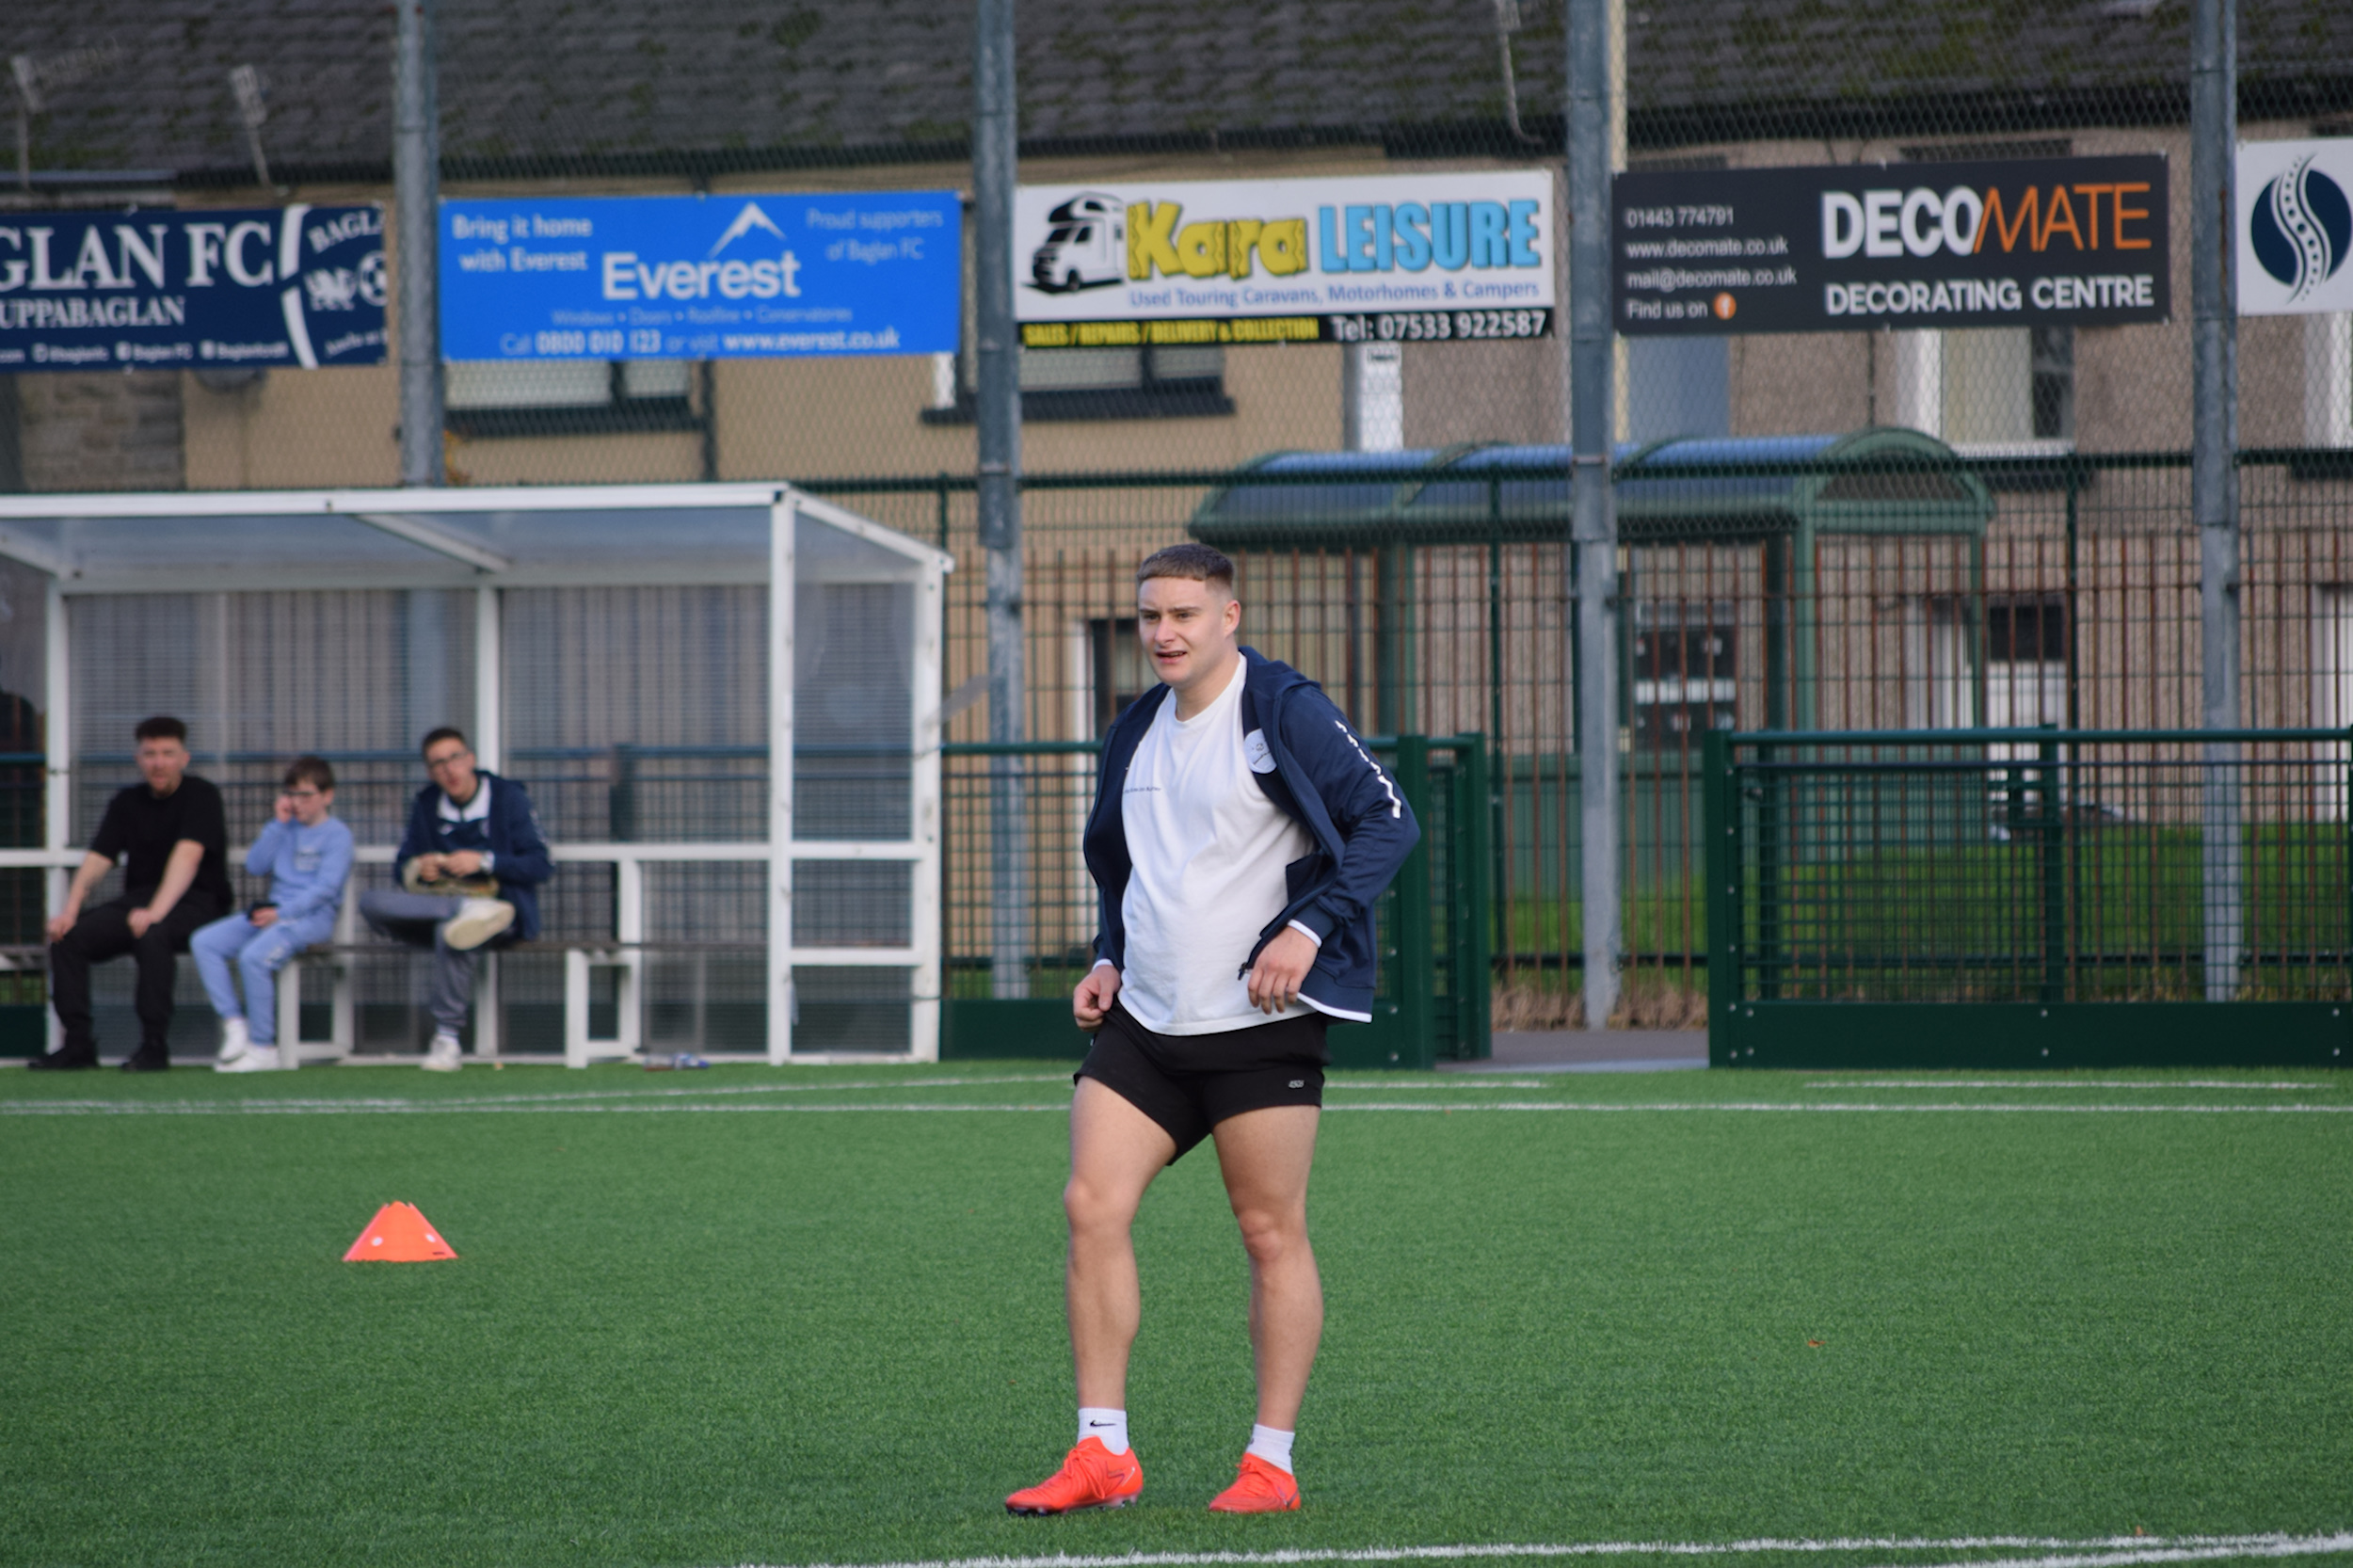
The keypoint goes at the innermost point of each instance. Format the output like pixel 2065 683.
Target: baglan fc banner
pixel 295 285
pixel 1852 247
pixel 1421 257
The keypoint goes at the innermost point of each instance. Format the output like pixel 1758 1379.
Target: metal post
pixel 1594 526
pixel 1719 826
pixel 782 539
pixel 56 742
pixel 998 389
pixel 416 189
pixel 2214 476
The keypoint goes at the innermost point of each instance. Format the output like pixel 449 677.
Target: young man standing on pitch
pixel 1239 836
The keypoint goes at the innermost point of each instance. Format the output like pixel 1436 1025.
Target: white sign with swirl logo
pixel 2295 227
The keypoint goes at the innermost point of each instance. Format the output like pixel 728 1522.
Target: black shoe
pixel 65 1059
pixel 148 1058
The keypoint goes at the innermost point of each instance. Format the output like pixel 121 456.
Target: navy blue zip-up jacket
pixel 519 855
pixel 1328 781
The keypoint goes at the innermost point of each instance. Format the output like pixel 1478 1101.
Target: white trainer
pixel 234 1042
pixel 442 1056
pixel 476 922
pixel 254 1059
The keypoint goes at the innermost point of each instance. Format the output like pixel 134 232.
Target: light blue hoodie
pixel 307 867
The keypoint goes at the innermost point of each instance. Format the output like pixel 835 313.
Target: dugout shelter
pixel 724 700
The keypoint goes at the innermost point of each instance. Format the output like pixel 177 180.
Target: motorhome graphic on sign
pixel 1419 258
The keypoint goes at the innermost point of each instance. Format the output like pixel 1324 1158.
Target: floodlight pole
pixel 995 171
pixel 1593 526
pixel 2214 471
pixel 416 190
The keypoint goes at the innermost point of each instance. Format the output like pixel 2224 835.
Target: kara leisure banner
pixel 1420 258
pixel 155 289
pixel 1854 247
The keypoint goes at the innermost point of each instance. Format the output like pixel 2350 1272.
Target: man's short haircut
pixel 163 726
pixel 447 732
pixel 1196 563
pixel 312 770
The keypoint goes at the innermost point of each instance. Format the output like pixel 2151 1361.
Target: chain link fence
pixel 2025 557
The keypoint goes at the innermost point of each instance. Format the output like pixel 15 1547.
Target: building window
pixel 1187 382
pixel 1997 392
pixel 1938 693
pixel 2051 351
pixel 1118 670
pixel 2026 662
pixel 2332 689
pixel 1686 672
pixel 568 398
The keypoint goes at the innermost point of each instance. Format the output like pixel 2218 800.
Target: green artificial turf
pixel 742 1334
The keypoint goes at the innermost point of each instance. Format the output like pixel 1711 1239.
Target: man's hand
pixel 464 862
pixel 427 868
pixel 1091 1002
pixel 142 922
pixel 266 915
pixel 283 809
pixel 1282 963
pixel 61 923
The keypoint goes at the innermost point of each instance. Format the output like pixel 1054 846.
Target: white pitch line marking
pixel 2286 1546
pixel 2057 1083
pixel 2063 1553
pixel 504 1107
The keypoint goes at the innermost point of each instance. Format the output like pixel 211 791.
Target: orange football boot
pixel 1261 1488
pixel 1091 1476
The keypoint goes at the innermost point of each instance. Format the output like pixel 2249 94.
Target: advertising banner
pixel 158 290
pixel 1856 247
pixel 1421 257
pixel 758 276
pixel 2294 226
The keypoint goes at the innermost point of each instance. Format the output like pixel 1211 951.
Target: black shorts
pixel 1189 1083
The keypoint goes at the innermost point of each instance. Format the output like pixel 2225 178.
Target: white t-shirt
pixel 1208 850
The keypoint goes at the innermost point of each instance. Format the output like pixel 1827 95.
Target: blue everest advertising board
pixel 293 286
pixel 744 275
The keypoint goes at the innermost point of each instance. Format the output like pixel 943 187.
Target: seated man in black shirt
pixel 174 839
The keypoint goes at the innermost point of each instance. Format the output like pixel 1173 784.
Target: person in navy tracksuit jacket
pixel 1240 836
pixel 470 866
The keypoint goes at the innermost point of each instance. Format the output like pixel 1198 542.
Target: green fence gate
pixel 1436 941
pixel 2016 898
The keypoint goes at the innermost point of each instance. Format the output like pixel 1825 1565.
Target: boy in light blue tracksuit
pixel 305 854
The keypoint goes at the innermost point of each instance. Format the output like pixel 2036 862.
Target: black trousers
pixel 103 931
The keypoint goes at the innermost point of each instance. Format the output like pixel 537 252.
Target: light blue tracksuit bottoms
pixel 257 953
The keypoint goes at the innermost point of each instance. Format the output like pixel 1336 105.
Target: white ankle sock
pixel 1273 1445
pixel 1109 1425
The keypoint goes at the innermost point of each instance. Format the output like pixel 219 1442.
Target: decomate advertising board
pixel 1422 258
pixel 297 286
pixel 1855 248
pixel 741 276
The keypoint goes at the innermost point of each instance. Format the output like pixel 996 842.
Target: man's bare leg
pixel 1266 1156
pixel 1115 1151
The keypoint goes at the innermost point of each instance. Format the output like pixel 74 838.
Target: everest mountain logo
pixel 2301 228
pixel 751 217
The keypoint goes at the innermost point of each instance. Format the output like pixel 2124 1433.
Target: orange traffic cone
pixel 399 1234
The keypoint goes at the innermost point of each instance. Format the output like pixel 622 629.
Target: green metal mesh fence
pixel 2068 867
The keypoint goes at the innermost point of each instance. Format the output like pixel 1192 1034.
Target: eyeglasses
pixel 435 764
pixel 305 795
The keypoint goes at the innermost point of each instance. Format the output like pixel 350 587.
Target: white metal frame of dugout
pixel 489 540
